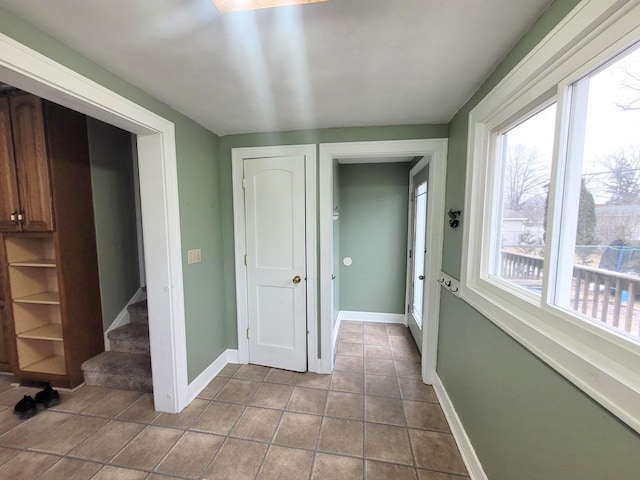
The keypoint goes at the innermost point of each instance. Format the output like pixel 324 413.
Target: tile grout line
pixel 270 443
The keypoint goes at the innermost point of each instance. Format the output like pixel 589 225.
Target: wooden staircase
pixel 127 365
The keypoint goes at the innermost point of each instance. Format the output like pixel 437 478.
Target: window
pixel 599 276
pixel 523 175
pixel 552 239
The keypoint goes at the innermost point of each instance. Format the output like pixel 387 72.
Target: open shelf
pixel 43 298
pixel 52 331
pixel 37 263
pixel 27 282
pixel 21 249
pixel 30 317
pixel 41 355
pixel 53 365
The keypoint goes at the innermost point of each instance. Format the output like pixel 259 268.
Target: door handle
pixel 14 217
pixel 421 277
pixel 296 279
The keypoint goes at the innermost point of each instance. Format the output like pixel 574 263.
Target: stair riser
pixel 138 313
pixel 130 347
pixel 139 318
pixel 97 379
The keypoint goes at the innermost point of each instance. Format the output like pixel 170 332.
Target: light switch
pixel 194 256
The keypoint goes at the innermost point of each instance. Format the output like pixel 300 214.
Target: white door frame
pixel 412 201
pixel 435 153
pixel 238 155
pixel 29 70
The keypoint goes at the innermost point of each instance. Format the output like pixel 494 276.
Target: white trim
pixel 237 158
pixel 138 207
pixel 209 373
pixel 336 332
pixel 29 70
pixel 423 163
pixel 436 149
pixel 597 360
pixel 373 317
pixel 123 317
pixel 471 460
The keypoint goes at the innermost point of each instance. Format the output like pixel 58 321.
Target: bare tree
pixel 622 183
pixel 630 84
pixel 525 176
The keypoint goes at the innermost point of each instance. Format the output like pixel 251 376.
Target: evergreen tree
pixel 585 233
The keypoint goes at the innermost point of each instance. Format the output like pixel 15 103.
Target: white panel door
pixel 276 261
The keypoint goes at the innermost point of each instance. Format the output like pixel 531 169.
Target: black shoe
pixel 48 396
pixel 25 408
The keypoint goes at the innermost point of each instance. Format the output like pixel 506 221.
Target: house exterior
pixel 524 419
pixel 513 227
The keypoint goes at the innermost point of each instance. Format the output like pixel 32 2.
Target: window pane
pixel 605 149
pixel 518 243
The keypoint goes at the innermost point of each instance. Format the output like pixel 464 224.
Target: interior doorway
pixel 433 153
pixel 30 71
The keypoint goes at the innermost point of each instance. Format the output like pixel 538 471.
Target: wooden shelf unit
pixel 36 304
pixel 49 268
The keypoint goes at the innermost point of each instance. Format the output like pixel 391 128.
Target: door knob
pixel 421 277
pixel 297 279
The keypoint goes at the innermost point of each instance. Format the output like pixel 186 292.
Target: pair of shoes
pixel 25 408
pixel 49 397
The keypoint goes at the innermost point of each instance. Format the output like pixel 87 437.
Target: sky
pixel 609 128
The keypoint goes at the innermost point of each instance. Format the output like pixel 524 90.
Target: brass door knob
pixel 421 277
pixel 297 279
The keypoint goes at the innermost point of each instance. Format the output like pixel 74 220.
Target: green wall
pixel 327 135
pixel 112 183
pixel 199 195
pixel 373 233
pixel 525 421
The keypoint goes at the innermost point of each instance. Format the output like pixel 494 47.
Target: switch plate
pixel 194 256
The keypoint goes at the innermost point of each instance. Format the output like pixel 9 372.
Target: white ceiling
pixel 332 64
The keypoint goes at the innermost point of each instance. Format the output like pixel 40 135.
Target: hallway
pixel 372 418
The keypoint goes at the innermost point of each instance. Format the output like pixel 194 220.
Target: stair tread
pixel 120 363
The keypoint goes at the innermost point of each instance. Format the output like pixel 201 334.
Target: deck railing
pixel 604 295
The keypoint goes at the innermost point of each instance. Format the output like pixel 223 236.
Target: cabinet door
pixel 32 163
pixel 8 187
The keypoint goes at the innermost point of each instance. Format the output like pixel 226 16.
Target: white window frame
pixel 600 361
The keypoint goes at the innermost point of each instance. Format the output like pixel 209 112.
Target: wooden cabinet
pixel 50 278
pixel 25 196
pixel 5 341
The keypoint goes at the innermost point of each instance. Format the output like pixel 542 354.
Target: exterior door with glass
pixel 417 252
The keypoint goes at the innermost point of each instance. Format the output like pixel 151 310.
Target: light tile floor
pixel 373 418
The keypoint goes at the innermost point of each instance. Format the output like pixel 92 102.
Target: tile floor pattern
pixel 373 418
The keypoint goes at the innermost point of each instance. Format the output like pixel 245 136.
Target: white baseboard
pixel 372 317
pixel 202 380
pixel 123 317
pixel 476 472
